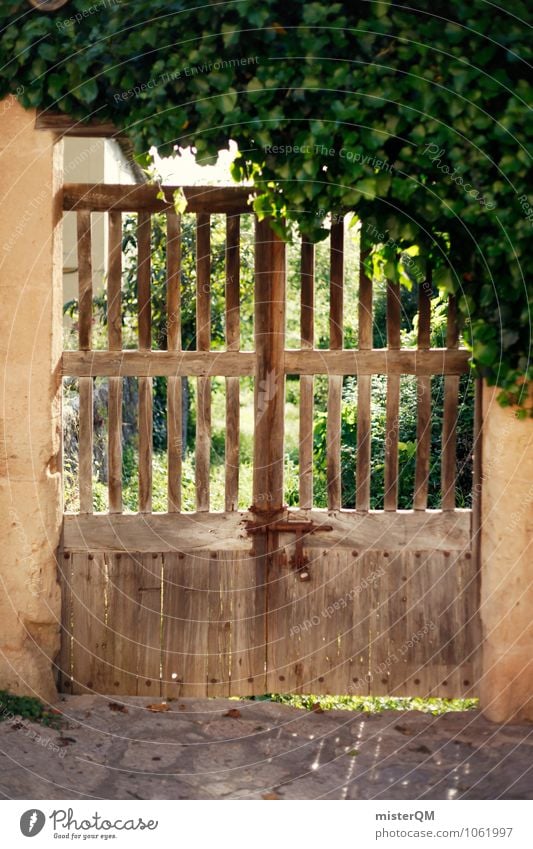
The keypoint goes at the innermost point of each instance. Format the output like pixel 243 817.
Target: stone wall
pixel 506 563
pixel 30 350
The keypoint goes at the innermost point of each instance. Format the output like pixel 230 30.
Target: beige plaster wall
pixel 506 564
pixel 30 349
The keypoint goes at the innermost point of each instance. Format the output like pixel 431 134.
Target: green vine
pixel 415 117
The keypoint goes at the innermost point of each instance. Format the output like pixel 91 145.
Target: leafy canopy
pixel 414 118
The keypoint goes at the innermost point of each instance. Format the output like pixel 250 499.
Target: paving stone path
pixel 223 749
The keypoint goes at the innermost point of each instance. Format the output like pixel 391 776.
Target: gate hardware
pixel 298 561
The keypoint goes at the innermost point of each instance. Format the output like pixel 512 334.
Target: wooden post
pixel 270 377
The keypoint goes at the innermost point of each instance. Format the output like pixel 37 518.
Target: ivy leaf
pixel 180 201
pixel 88 91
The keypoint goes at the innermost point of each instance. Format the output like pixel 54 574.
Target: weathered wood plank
pixel 114 329
pixel 421 630
pixel 174 384
pixel 173 282
pixel 393 399
pixel 158 363
pixel 336 336
pixel 85 281
pixel 449 418
pixel 132 198
pixel 243 363
pixel 364 389
pixel 147 618
pixel 423 427
pixel 248 622
pixel 63 661
pixel 85 459
pixel 185 625
pixel 307 332
pixel 270 381
pixel 232 343
pixel 145 344
pixel 378 361
pixel 90 662
pixel 218 609
pixel 114 282
pixel 448 530
pixel 336 287
pixel 318 629
pixel 203 343
pixel 64 125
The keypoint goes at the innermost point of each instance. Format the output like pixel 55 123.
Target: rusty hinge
pixel 300 529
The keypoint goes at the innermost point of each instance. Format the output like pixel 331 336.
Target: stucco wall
pixel 30 348
pixel 507 563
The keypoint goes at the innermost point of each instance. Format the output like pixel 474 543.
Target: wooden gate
pixel 270 599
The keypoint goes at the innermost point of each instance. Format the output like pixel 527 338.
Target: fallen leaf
pixel 403 729
pixel 353 753
pixel 234 713
pixel 273 796
pixel 65 741
pixel 118 708
pixel 422 749
pixel 159 708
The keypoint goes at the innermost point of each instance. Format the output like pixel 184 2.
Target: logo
pixel 32 822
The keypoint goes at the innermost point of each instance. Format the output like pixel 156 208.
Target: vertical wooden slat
pixel 333 470
pixel 218 606
pixel 233 344
pixel 64 658
pixel 336 331
pixel 270 377
pixel 114 282
pixel 86 445
pixel 393 400
pixel 114 325
pixel 145 344
pixel 307 381
pixel 147 617
pixel 423 430
pixel 174 384
pixel 85 280
pixel 185 624
pixel 203 336
pixel 364 387
pixel 90 664
pixel 449 423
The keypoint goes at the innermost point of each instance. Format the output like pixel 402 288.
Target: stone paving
pixel 225 749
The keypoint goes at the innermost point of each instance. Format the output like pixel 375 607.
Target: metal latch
pixel 299 562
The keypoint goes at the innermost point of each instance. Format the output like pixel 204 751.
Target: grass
pixel 373 704
pixel 27 707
